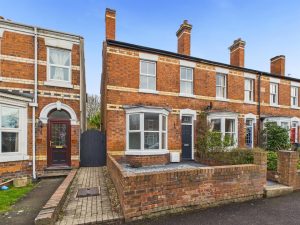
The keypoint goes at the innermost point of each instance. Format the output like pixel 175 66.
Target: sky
pixel 269 27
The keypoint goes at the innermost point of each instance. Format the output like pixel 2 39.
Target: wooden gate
pixel 92 148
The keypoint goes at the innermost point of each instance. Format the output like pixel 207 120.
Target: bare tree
pixel 93 105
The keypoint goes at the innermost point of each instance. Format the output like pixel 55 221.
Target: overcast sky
pixel 269 27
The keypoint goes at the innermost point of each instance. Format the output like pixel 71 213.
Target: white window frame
pixel 223 117
pixel 147 90
pixel 56 82
pixel 276 86
pixel 251 91
pixel 141 111
pixel 191 81
pixel 224 87
pixel 294 96
pixel 21 130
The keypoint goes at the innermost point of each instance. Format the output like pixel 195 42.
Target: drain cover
pixel 86 192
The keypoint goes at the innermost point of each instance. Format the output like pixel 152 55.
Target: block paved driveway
pixel 284 210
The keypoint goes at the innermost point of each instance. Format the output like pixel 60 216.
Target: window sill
pixel 222 99
pixel 146 152
pixel 295 107
pixel 276 106
pixel 10 157
pixel 58 84
pixel 248 102
pixel 148 91
pixel 187 95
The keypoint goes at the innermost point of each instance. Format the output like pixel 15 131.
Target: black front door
pixel 186 138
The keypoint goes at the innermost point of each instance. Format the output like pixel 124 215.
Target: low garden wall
pixel 154 193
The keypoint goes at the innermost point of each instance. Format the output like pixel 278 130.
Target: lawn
pixel 11 196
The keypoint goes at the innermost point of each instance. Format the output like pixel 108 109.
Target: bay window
pixel 13 132
pixel 146 130
pixel 226 125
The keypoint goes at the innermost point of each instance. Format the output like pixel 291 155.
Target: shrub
pixel 272 160
pixel 275 138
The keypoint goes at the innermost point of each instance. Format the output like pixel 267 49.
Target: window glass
pixel 186 80
pixel 186 119
pixel 10 142
pixel 59 114
pixel 221 85
pixel 163 142
pixel 229 125
pixel 10 117
pixel 59 64
pixel 147 75
pixel 135 140
pixel 294 96
pixel 249 89
pixel 151 140
pixel 164 123
pixel 151 121
pixel 216 125
pixel 134 122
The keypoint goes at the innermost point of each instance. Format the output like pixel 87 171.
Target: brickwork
pixel 17 74
pixel 145 194
pixel 147 160
pixel 287 168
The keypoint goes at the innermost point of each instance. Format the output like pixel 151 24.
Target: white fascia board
pixel 147 56
pixel 222 70
pixel 1 32
pixel 51 42
pixel 250 76
pixel 187 63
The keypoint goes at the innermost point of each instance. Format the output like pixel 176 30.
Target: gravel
pixel 160 168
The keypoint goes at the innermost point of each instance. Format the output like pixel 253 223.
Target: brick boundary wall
pixel 287 171
pixel 147 160
pixel 151 194
pixel 10 170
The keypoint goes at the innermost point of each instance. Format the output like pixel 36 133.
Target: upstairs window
pixel 186 80
pixel 221 89
pixel 147 75
pixel 249 90
pixel 59 65
pixel 273 94
pixel 294 96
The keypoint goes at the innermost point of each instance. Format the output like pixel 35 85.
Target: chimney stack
pixel 278 65
pixel 110 24
pixel 237 53
pixel 184 38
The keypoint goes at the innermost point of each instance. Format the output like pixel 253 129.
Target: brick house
pixel 42 99
pixel 151 97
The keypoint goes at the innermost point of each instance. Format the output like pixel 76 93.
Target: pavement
pixel 27 208
pixel 284 210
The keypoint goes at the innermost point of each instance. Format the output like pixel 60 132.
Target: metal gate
pixel 92 148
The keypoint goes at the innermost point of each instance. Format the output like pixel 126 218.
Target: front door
pixel 59 143
pixel 186 137
pixel 249 133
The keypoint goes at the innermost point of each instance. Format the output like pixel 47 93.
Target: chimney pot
pixel 278 65
pixel 237 53
pixel 184 38
pixel 110 24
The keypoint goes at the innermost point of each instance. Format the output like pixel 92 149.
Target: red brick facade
pixel 147 160
pixel 17 69
pixel 121 86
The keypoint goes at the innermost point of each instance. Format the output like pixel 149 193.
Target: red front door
pixel 293 135
pixel 59 143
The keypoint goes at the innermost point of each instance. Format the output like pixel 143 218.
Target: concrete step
pixel 273 189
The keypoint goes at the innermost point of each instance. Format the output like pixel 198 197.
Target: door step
pixel 55 171
pixel 273 189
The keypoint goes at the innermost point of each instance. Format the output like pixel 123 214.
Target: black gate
pixel 92 148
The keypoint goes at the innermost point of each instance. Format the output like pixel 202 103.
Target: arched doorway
pixel 59 138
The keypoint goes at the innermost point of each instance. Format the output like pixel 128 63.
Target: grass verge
pixel 11 196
